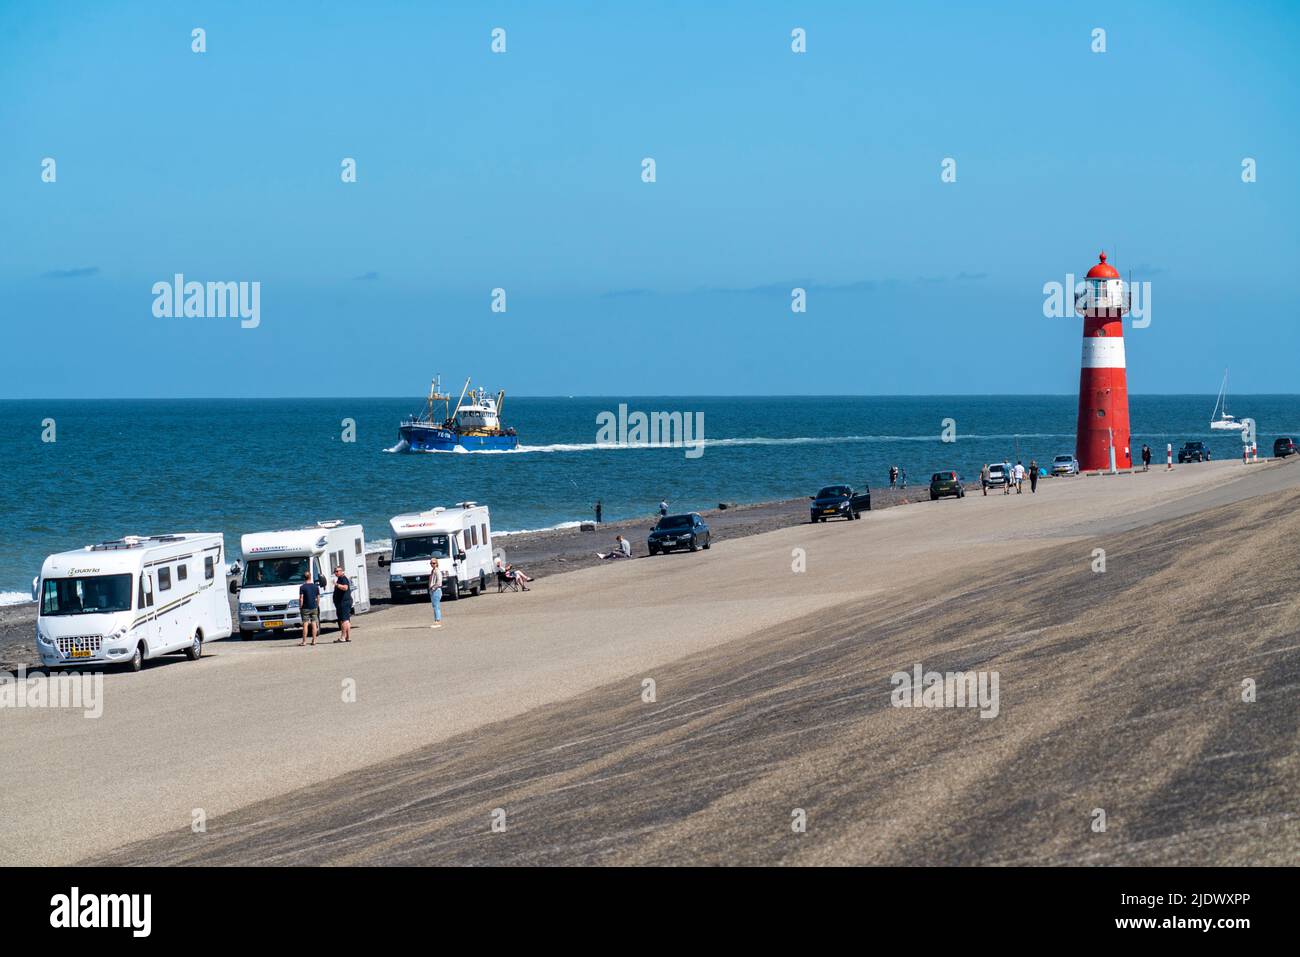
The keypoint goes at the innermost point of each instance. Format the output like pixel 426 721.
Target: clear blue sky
pixel 523 170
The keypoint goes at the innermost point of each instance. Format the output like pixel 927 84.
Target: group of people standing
pixel 1015 475
pixel 897 477
pixel 309 607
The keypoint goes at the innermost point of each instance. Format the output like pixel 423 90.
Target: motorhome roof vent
pixel 166 538
pixel 331 523
pixel 435 510
pixel 467 504
pixel 126 541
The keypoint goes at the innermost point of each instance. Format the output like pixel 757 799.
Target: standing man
pixel 1033 476
pixel 984 479
pixel 663 508
pixel 598 511
pixel 309 608
pixel 343 604
pixel 1146 458
pixel 1020 476
pixel 435 592
pixel 893 476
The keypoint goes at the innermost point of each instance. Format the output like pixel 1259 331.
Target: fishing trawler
pixel 474 425
pixel 1220 420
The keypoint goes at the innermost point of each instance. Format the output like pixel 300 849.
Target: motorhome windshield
pixel 91 595
pixel 421 546
pixel 276 571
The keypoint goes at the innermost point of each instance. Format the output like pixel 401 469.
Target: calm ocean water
pixel 144 467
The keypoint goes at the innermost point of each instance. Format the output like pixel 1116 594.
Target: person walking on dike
pixel 309 608
pixel 1033 476
pixel 598 511
pixel 663 510
pixel 893 476
pixel 1020 476
pixel 343 604
pixel 1146 458
pixel 984 479
pixel 435 592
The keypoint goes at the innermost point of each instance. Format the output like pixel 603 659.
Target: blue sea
pixel 237 465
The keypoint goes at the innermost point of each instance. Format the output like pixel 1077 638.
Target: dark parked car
pixel 839 501
pixel 1284 446
pixel 679 531
pixel 946 483
pixel 1193 451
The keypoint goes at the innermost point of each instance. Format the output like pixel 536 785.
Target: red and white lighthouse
pixel 1102 440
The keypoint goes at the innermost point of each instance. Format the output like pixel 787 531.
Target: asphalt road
pixel 1120 691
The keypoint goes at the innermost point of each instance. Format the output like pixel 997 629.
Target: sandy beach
pixel 771 658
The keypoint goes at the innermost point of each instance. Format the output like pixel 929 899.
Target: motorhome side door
pixel 150 630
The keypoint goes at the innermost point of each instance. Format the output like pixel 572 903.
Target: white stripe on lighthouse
pixel 1103 352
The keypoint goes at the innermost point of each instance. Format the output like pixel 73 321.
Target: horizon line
pixel 638 395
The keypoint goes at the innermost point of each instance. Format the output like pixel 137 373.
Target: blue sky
pixel 523 171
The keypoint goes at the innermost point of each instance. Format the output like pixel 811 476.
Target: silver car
pixel 1065 465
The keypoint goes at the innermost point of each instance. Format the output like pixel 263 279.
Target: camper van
pixel 460 538
pixel 276 563
pixel 125 601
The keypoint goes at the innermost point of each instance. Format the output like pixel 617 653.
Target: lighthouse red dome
pixel 1103 270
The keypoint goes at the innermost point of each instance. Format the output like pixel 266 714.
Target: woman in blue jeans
pixel 435 592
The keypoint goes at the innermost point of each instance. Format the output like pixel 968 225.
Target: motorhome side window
pixel 485 535
pixel 209 568
pixel 473 536
pixel 358 544
pixel 182 572
pixel 164 578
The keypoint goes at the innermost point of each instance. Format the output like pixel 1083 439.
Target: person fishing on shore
pixel 435 592
pixel 599 511
pixel 343 604
pixel 663 510
pixel 893 476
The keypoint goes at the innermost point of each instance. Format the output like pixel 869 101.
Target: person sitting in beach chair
pixel 518 577
pixel 505 580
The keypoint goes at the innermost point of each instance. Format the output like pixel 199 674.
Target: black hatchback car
pixel 1283 447
pixel 839 501
pixel 1193 452
pixel 679 531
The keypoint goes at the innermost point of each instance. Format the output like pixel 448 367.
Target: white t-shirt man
pixel 1019 472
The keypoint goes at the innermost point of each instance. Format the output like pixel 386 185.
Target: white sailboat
pixel 1220 420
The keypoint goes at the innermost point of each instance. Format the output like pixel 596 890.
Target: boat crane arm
pixel 501 398
pixel 461 399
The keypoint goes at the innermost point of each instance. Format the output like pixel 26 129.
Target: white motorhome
pixel 124 601
pixel 276 563
pixel 459 537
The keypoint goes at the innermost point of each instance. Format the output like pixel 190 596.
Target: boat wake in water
pixel 726 443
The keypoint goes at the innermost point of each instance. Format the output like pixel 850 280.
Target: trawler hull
pixel 429 438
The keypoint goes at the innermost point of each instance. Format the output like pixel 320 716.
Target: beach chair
pixel 505 581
